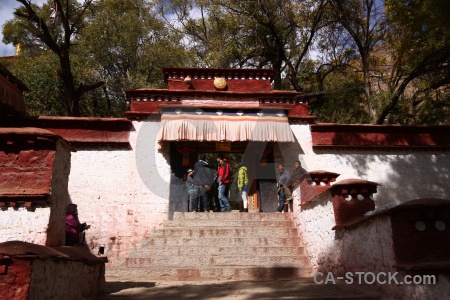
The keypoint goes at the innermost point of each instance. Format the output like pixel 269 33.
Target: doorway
pixel 257 156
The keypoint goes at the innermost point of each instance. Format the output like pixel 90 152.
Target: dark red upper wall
pixel 80 131
pixel 381 137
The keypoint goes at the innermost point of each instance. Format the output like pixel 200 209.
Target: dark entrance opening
pixel 258 157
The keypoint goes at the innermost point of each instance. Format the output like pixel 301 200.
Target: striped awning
pixel 194 124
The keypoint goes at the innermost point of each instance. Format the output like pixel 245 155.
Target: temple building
pixel 364 186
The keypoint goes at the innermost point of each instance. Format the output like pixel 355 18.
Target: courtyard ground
pixel 302 288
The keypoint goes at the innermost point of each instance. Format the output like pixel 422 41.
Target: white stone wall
pixel 367 247
pixel 403 175
pixel 23 225
pixel 122 194
pixel 315 221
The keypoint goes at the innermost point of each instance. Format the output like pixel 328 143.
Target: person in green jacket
pixel 242 184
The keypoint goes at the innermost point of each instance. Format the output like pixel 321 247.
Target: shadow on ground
pixel 302 288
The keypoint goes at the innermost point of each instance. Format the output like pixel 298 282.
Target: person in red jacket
pixel 223 179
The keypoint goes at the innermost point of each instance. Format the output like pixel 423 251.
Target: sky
pixel 6 13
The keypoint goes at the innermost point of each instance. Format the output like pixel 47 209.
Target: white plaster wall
pixel 403 176
pixel 122 194
pixel 315 219
pixel 23 225
pixel 367 247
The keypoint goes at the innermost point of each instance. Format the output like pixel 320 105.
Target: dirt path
pixel 303 288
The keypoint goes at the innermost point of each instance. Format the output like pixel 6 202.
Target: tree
pixel 419 36
pixel 37 71
pixel 56 34
pixel 266 33
pixel 127 46
pixel 363 20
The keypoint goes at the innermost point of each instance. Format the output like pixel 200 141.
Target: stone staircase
pixel 210 246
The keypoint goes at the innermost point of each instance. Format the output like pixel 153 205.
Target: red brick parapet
pixel 352 198
pixel 27 156
pixel 313 183
pixel 80 132
pixel 27 269
pixel 379 137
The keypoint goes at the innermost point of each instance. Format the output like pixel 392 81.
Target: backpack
pixel 230 176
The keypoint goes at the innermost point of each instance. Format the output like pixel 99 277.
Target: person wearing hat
pixel 190 189
pixel 203 180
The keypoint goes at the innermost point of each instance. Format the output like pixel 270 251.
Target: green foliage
pixel 341 102
pixel 38 73
pixel 419 36
pixel 386 63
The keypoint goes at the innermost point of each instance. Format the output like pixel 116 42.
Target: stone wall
pixel 64 279
pixel 15 277
pixel 365 247
pixel 397 172
pixel 122 194
pixel 24 225
pixel 29 271
pixel 34 171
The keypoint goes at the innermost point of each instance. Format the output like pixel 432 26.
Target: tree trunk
pixel 69 85
pixel 367 88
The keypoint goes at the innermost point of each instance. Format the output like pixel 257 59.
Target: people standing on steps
pixel 242 184
pixel 292 184
pixel 191 190
pixel 203 180
pixel 283 178
pixel 223 179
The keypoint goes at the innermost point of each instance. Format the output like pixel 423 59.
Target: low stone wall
pixel 365 247
pixel 37 272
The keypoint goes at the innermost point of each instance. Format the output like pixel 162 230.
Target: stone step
pixel 206 273
pixel 227 223
pixel 221 241
pixel 217 260
pixel 212 249
pixel 227 232
pixel 234 215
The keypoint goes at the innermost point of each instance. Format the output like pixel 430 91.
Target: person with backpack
pixel 223 179
pixel 242 184
pixel 203 180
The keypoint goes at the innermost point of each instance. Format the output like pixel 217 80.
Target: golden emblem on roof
pixel 220 83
